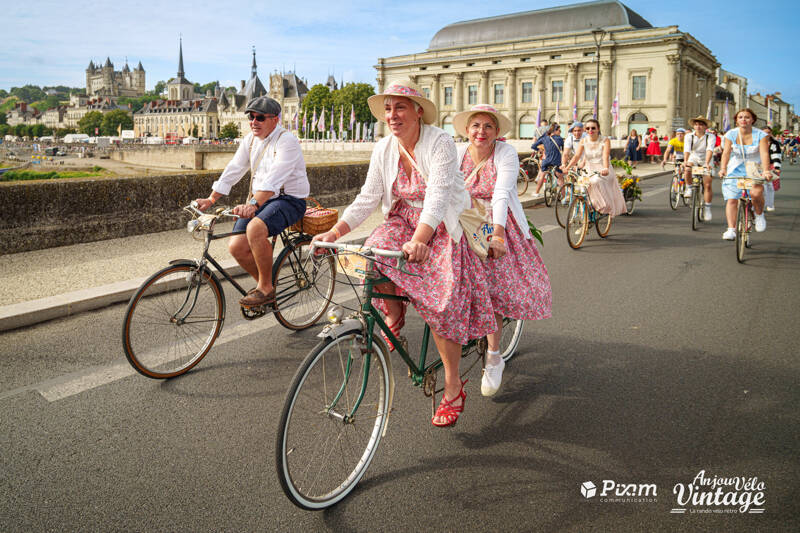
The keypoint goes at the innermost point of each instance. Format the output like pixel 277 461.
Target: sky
pixel 47 42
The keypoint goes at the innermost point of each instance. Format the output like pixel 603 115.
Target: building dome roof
pixel 564 19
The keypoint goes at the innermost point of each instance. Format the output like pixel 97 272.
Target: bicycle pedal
pixel 251 313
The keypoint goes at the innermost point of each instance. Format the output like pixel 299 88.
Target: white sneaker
pixel 770 209
pixel 687 193
pixel 491 379
pixel 707 213
pixel 761 223
pixel 729 235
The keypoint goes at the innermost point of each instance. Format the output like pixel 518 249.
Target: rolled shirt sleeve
pixel 235 168
pixel 286 170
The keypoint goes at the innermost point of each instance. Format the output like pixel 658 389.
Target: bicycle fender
pixel 332 331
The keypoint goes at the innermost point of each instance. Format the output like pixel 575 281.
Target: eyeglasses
pixel 258 118
pixel 590 128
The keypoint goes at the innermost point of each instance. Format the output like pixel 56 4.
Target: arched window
pixel 527 127
pixel 639 122
pixel 447 125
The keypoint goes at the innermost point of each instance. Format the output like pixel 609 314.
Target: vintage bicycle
pixel 564 195
pixel 745 215
pixel 528 167
pixel 698 188
pixel 581 213
pixel 176 315
pixel 338 404
pixel 677 186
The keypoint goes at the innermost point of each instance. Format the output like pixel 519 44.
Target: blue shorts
pixel 278 213
pixel 729 189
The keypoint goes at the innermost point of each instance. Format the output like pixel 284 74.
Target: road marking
pixel 549 227
pixel 651 193
pixel 68 385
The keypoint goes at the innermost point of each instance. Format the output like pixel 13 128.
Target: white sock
pixel 493 358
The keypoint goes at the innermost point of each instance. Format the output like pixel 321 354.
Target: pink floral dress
pixel 519 285
pixel 451 293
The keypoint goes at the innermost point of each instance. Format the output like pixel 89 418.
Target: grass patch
pixel 24 175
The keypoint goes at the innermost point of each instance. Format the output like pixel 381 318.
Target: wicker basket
pixel 317 219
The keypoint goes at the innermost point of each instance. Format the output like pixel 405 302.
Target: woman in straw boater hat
pixel 699 150
pixel 518 282
pixel 413 174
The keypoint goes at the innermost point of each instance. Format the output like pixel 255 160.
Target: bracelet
pixel 336 231
pixel 498 238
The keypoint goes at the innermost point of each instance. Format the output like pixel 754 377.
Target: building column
pixel 458 88
pixel 381 79
pixel 435 90
pixel 484 96
pixel 511 83
pixel 571 97
pixel 539 92
pixel 672 87
pixel 683 98
pixel 606 97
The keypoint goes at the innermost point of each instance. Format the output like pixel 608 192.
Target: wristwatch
pixel 253 201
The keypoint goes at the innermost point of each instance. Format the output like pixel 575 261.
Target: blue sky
pixel 49 42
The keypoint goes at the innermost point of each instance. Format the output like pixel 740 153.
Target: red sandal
pixel 395 329
pixel 448 411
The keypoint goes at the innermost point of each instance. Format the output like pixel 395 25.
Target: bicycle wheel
pixel 602 222
pixel 549 190
pixel 577 222
pixel 684 200
pixel 563 199
pixel 674 192
pixel 696 207
pixel 512 332
pixel 304 285
pixel 323 447
pixel 172 321
pixel 741 231
pixel 749 220
pixel 630 201
pixel 522 182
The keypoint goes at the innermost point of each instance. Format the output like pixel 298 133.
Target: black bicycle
pixel 173 319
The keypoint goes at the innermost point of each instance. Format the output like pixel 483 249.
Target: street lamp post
pixel 598 34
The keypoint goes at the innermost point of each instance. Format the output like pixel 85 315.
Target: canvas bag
pixel 472 220
pixel 751 168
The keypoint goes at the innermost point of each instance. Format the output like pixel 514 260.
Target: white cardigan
pixel 445 195
pixel 505 194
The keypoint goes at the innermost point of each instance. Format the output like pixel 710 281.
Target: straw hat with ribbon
pixel 461 119
pixel 702 119
pixel 405 88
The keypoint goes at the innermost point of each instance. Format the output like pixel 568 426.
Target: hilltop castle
pixel 106 82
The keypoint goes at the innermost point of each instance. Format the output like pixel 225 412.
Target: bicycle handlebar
pixel 365 251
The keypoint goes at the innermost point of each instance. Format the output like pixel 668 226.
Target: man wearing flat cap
pixel 276 199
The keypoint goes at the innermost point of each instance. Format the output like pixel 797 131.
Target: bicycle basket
pixel 317 219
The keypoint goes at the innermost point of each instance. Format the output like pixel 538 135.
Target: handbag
pixel 751 168
pixel 472 220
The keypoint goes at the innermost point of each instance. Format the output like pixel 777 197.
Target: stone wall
pixel 45 214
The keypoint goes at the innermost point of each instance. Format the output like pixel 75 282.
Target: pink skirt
pixel 451 292
pixel 518 282
pixel 605 194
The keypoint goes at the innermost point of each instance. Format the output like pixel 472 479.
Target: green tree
pixel 318 97
pixel 159 88
pixel 4 130
pixel 354 94
pixel 113 120
pixel 90 121
pixel 28 93
pixel 36 130
pixel 230 131
pixel 49 102
pixel 21 130
pixel 195 130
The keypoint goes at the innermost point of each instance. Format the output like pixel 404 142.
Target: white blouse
pixel 445 195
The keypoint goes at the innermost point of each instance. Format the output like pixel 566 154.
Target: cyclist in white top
pixel 698 149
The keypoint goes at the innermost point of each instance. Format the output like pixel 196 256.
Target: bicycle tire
pixel 522 182
pixel 602 221
pixel 684 201
pixel 313 423
pixel 749 221
pixel 630 202
pixel 577 222
pixel 674 191
pixel 560 208
pixel 549 190
pixel 163 332
pixel 509 339
pixel 741 231
pixel 696 208
pixel 304 285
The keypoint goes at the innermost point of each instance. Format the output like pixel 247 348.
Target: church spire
pixel 253 69
pixel 180 58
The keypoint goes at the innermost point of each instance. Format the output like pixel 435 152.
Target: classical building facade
pixel 663 76
pixel 232 105
pixel 289 91
pixel 104 81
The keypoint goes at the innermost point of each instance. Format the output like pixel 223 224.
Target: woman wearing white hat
pixel 518 282
pixel 413 174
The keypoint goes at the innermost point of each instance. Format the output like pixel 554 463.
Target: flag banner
pixel 304 120
pixel 726 118
pixel 769 111
pixel 708 110
pixel 539 113
pixel 341 119
pixel 314 120
pixel 321 123
pixel 575 105
pixel 594 110
pixel 352 115
pixel 332 115
pixel 615 111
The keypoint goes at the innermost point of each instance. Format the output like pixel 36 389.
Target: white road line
pixel 549 227
pixel 654 191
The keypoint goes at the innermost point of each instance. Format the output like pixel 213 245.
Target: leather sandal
pixel 395 329
pixel 256 298
pixel 448 411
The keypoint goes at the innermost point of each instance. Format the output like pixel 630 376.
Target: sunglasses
pixel 258 118
pixel 590 128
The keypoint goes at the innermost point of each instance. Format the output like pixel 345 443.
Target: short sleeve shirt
pixel 677 147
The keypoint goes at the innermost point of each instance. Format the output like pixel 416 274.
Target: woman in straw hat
pixel 413 174
pixel 699 151
pixel 518 282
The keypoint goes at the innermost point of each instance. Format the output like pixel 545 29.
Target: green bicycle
pixel 338 404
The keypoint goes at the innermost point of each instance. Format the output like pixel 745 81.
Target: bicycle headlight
pixel 335 314
pixel 192 225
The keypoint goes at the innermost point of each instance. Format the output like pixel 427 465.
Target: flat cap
pixel 264 105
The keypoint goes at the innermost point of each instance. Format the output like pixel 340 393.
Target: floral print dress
pixel 519 285
pixel 451 292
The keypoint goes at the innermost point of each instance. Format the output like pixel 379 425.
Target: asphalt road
pixel 664 358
